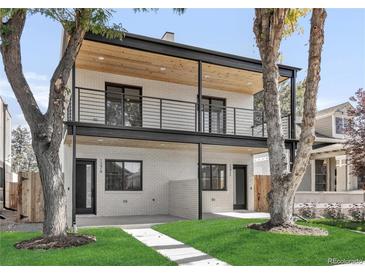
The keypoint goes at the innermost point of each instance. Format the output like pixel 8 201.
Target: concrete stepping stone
pixel 175 250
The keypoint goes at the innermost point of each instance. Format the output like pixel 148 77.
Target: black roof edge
pixel 155 45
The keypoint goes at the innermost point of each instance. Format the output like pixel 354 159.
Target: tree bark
pixel 268 28
pixel 46 128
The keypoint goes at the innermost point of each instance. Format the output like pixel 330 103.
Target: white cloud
pixel 40 89
pixel 35 76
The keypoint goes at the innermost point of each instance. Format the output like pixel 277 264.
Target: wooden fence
pixel 262 188
pixel 26 197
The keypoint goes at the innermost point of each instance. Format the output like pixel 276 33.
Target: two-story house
pixel 157 127
pixel 5 151
pixel 329 177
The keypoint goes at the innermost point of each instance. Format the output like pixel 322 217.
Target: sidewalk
pixel 176 251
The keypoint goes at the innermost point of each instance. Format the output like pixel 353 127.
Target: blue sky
pixel 227 30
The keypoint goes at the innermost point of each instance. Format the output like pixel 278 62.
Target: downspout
pixel 200 88
pixel 4 154
pixel 73 150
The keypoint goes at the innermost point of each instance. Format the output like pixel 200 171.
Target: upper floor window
pixel 341 124
pixel 123 105
pixel 214 114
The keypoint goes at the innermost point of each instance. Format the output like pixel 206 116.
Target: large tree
pixel 355 129
pixel 46 128
pixel 270 26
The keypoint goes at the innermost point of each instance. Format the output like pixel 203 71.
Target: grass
pixel 112 247
pixel 230 241
pixel 347 224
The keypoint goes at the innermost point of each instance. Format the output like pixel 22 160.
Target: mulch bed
pixel 71 240
pixel 290 229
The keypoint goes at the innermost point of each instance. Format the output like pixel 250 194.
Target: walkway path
pixel 176 251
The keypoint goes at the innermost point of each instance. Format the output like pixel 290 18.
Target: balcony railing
pixel 91 106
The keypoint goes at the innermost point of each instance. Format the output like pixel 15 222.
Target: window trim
pixel 123 86
pixel 123 160
pixel 343 126
pixel 225 177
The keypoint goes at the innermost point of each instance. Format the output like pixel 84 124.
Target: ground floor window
pixel 214 177
pixel 321 175
pixel 123 175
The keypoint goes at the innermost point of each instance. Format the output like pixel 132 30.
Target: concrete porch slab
pixel 237 214
pixel 137 221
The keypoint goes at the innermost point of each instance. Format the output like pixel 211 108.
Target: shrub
pixel 357 212
pixel 333 211
pixel 308 210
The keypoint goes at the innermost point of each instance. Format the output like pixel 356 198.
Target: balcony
pixel 93 107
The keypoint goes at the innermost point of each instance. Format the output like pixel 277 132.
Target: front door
pixel 241 187
pixel 85 186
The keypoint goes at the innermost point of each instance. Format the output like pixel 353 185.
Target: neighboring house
pixel 328 177
pixel 147 115
pixel 5 149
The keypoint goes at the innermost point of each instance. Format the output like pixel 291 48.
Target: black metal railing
pixel 92 106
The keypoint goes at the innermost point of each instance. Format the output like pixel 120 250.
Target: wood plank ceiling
pixel 124 61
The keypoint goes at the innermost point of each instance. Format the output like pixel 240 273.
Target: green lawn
pixel 359 226
pixel 230 241
pixel 112 247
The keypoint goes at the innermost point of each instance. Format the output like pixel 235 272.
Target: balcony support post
pixel 293 106
pixel 200 88
pixel 73 149
pixel 200 195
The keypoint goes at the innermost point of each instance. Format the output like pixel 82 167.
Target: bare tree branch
pixel 11 32
pixel 307 135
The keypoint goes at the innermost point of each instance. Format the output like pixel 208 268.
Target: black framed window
pixel 214 177
pixel 214 114
pixel 123 105
pixel 123 175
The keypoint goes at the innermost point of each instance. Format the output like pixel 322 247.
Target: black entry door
pixel 241 186
pixel 85 186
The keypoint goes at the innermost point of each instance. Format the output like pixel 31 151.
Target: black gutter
pixel 160 46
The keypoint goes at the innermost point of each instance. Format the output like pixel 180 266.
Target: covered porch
pixel 169 180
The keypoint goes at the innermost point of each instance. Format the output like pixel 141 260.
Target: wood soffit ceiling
pixel 124 61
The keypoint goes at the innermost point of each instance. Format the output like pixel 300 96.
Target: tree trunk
pixel 54 194
pixel 268 28
pixel 46 128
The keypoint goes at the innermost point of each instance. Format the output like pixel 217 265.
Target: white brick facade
pixel 160 166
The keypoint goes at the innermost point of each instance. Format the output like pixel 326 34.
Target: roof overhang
pixel 157 59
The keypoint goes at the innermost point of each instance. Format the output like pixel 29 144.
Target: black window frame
pixel 123 87
pixel 124 161
pixel 224 107
pixel 211 178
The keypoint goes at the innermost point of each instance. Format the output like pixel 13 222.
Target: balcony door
pixel 214 114
pixel 123 105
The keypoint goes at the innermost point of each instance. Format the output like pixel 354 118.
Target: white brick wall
pixel 183 198
pixel 96 80
pixel 160 166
